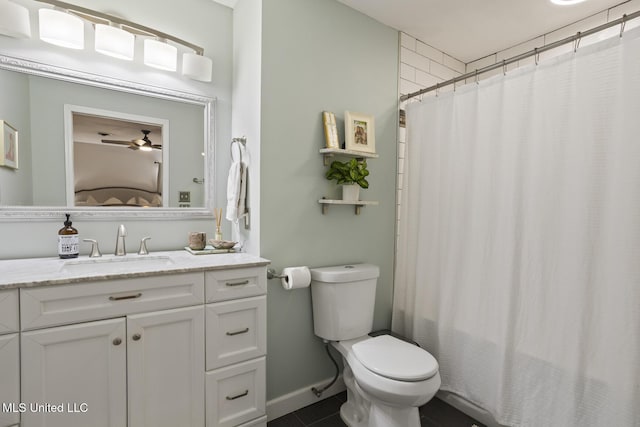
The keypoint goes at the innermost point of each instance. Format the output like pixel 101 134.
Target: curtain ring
pixel 437 88
pixel 622 24
pixel 454 85
pixel 577 42
pixel 536 55
pixel 477 81
pixel 504 67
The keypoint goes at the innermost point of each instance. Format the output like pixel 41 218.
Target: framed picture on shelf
pixel 359 132
pixel 330 130
pixel 8 146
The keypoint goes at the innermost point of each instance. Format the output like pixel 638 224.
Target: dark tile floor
pixel 326 413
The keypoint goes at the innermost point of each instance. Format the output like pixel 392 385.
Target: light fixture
pixel 158 54
pixel 61 28
pixel 14 20
pixel 64 26
pixel 566 2
pixel 197 67
pixel 113 41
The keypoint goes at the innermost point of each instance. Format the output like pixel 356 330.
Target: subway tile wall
pixel 422 65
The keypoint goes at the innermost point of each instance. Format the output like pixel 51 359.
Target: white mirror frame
pixel 21 213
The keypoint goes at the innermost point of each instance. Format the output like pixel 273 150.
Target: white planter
pixel 350 192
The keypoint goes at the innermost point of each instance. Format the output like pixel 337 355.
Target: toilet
pixel 387 378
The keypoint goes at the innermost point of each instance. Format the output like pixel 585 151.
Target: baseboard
pixel 300 398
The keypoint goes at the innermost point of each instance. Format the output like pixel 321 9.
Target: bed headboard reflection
pixel 118 196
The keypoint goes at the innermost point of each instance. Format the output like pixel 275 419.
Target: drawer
pixel 9 311
pixel 236 394
pixel 59 305
pixel 235 283
pixel 236 331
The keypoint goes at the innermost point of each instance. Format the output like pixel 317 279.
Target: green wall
pixel 321 55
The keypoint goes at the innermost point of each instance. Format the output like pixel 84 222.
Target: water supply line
pixel 318 392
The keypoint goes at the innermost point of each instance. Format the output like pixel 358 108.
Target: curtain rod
pixel 535 52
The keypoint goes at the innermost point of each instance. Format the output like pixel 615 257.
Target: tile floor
pixel 326 413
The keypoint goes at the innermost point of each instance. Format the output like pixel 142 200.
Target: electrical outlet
pixel 184 197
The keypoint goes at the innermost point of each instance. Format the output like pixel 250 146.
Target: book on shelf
pixel 330 130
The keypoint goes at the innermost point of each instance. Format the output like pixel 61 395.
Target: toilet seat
pixel 395 359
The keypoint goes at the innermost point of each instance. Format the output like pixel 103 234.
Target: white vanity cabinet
pixel 136 369
pixel 236 346
pixel 9 358
pixel 128 342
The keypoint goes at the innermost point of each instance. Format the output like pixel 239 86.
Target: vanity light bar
pixel 199 69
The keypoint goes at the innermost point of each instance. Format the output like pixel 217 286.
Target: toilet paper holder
pixel 271 274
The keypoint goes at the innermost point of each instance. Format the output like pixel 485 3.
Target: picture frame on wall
pixel 8 146
pixel 360 132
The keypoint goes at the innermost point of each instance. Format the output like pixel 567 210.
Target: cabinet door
pixel 79 368
pixel 9 379
pixel 166 368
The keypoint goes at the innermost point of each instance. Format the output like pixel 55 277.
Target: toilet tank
pixel 343 299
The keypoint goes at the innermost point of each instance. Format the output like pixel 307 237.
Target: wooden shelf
pixel 327 153
pixel 358 204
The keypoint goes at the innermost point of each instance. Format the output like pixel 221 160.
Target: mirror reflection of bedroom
pixel 117 162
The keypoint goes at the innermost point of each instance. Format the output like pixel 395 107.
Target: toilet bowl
pixel 387 379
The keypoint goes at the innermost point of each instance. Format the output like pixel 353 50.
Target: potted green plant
pixel 351 175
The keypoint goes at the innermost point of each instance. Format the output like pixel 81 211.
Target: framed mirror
pixel 81 138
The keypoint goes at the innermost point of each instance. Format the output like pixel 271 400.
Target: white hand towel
pixel 237 187
pixel 233 190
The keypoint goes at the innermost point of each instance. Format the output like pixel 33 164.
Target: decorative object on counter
pixel 218 214
pixel 8 146
pixel 330 130
pixel 222 244
pixel 359 132
pixel 351 175
pixel 209 250
pixel 68 240
pixel 197 240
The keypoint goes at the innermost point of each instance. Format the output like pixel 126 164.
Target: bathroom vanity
pixel 168 339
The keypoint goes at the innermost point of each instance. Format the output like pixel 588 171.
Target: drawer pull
pixel 237 396
pixel 243 331
pixel 138 295
pixel 136 337
pixel 244 282
pixel 117 341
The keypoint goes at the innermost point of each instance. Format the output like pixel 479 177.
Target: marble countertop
pixel 30 272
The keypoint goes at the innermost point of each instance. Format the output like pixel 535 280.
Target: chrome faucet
pixel 120 247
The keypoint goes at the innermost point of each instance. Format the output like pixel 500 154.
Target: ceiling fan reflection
pixel 143 144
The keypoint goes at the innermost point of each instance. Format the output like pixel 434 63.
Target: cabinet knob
pixel 136 337
pixel 117 341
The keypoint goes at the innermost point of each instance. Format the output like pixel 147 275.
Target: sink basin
pixel 117 264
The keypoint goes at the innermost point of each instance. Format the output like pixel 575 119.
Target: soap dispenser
pixel 68 240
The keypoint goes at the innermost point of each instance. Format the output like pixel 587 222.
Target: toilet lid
pixel 395 359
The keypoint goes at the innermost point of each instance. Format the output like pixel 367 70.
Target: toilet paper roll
pixel 296 277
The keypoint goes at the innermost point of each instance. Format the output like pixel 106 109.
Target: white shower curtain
pixel 518 260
